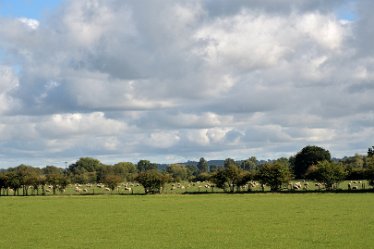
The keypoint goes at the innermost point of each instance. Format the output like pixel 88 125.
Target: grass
pixel 188 221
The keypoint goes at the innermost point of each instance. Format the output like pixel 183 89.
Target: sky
pixel 172 80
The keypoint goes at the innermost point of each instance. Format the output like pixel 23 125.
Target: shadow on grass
pixel 358 191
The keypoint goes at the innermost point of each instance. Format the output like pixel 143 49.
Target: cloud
pixel 177 80
pixel 31 23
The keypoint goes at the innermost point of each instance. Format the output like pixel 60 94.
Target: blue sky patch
pixel 35 9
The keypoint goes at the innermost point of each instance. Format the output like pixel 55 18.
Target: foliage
pixel 152 181
pixel 84 164
pixel 112 181
pixel 330 173
pixel 230 177
pixel 178 172
pixel 229 162
pixel 58 181
pixel 249 164
pixel 354 162
pixel 370 170
pixel 369 162
pixel 191 172
pixel 308 156
pixel 125 170
pixel 202 165
pixel 371 151
pixel 144 165
pixel 355 174
pixel 204 176
pixel 48 170
pixel 274 174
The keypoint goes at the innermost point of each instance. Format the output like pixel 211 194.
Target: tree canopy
pixel 274 174
pixel 330 173
pixel 308 156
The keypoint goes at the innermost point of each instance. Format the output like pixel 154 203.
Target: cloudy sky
pixel 170 80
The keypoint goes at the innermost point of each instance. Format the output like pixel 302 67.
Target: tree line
pixel 310 163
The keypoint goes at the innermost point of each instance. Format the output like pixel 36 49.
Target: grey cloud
pixel 223 7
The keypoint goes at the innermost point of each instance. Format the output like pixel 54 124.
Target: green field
pixel 322 220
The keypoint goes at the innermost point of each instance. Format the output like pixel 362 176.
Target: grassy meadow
pixel 268 220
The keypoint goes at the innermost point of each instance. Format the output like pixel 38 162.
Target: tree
pixel 13 181
pixel 58 181
pixel 152 181
pixel 369 162
pixel 249 164
pixel 231 176
pixel 102 172
pixel 178 172
pixel 191 172
pixel 24 174
pixel 84 164
pixel 274 174
pixel 49 170
pixel 125 170
pixel 144 165
pixel 371 151
pixel 202 165
pixel 3 182
pixel 112 181
pixel 229 162
pixel 370 170
pixel 330 173
pixel 308 156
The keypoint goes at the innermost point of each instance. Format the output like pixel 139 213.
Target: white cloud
pixel 78 124
pixel 31 23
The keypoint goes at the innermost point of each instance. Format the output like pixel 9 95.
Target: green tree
pixel 13 182
pixel 144 165
pixel 83 165
pixel 192 172
pixel 112 181
pixel 371 151
pixel 3 182
pixel 229 162
pixel 102 172
pixel 152 181
pixel 274 174
pixel 249 164
pixel 178 172
pixel 24 174
pixel 370 170
pixel 230 177
pixel 330 173
pixel 308 156
pixel 202 165
pixel 58 181
pixel 126 170
pixel 48 170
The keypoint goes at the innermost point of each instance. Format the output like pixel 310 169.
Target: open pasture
pixel 189 221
